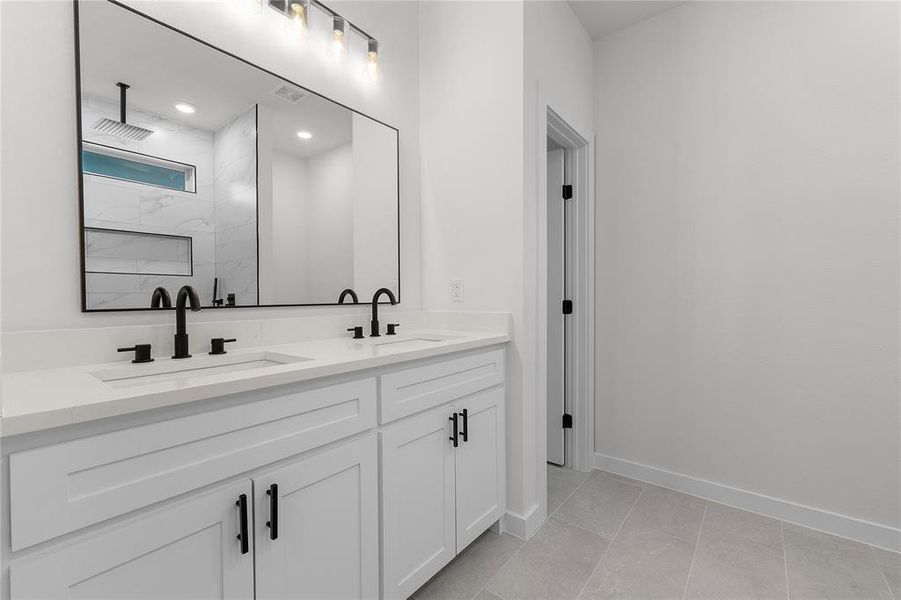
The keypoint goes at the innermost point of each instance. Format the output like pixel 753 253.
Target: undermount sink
pixel 183 370
pixel 405 342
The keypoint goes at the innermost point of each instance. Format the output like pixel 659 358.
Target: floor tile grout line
pixel 694 554
pixel 613 539
pixel 788 593
pixel 891 592
pixel 524 542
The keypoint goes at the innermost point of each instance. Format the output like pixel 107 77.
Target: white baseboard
pixel 867 532
pixel 522 526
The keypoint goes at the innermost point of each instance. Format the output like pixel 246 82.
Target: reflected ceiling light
pixel 185 107
pixel 372 72
pixel 338 46
pixel 298 13
pixel 304 135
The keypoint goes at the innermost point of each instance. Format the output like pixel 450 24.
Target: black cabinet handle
pixel 272 523
pixel 242 510
pixel 453 438
pixel 465 433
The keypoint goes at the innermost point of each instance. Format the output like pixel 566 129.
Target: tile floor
pixel 613 537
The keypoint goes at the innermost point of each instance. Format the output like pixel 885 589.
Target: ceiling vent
pixel 289 93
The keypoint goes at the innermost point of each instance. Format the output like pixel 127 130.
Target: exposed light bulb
pixel 338 46
pixel 372 72
pixel 250 6
pixel 297 18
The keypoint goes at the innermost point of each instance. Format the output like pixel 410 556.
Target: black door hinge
pixel 567 421
pixel 567 307
pixel 567 192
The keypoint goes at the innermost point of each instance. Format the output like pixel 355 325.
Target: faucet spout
pixel 160 297
pixel 348 292
pixel 374 324
pixel 186 296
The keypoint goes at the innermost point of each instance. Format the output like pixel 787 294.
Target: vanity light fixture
pixel 304 135
pixel 338 46
pixel 372 71
pixel 185 107
pixel 298 15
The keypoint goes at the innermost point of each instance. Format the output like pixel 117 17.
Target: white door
pixel 417 501
pixel 555 318
pixel 188 550
pixel 317 525
pixel 480 475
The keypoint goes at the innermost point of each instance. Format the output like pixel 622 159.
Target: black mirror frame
pixel 81 226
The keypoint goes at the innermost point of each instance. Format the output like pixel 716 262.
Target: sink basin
pixel 406 342
pixel 183 370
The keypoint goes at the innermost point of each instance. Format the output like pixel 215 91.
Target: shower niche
pixel 200 168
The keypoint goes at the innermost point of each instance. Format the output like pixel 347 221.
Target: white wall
pixel 38 120
pixel 289 240
pixel 481 65
pixel 471 82
pixel 329 230
pixel 375 208
pixel 747 253
pixel 558 73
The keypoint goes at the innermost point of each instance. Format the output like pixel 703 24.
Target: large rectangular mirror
pixel 200 168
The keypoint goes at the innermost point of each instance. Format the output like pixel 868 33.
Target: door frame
pixel 579 343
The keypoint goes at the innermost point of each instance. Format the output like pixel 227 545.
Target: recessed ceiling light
pixel 304 135
pixel 188 109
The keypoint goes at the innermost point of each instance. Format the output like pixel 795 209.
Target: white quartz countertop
pixel 43 399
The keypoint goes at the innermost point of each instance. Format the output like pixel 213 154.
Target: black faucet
pixel 188 295
pixel 346 293
pixel 160 297
pixel 374 325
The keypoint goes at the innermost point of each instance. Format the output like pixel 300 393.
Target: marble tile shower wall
pixel 115 204
pixel 235 156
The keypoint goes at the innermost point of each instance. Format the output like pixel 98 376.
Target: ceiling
pixel 164 67
pixel 603 17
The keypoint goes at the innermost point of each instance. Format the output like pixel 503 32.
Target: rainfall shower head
pixel 120 128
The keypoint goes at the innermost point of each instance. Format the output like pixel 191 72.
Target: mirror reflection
pixel 200 169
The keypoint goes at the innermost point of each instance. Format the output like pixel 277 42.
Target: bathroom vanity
pixel 333 468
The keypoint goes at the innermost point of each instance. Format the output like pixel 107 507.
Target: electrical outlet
pixel 457 290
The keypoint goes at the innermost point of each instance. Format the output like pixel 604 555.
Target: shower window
pixel 105 161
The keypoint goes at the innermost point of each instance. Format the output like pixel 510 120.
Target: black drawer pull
pixel 465 433
pixel 242 510
pixel 272 523
pixel 453 438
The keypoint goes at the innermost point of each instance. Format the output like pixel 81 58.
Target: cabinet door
pixel 480 474
pixel 188 550
pixel 417 501
pixel 323 514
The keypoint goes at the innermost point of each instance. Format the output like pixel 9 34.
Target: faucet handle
pixel 217 345
pixel 392 328
pixel 142 353
pixel 358 332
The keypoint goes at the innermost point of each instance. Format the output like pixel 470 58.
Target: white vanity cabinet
pixel 291 492
pixel 438 494
pixel 187 550
pixel 316 526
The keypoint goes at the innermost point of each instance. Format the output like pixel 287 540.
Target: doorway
pixel 559 405
pixel 566 250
